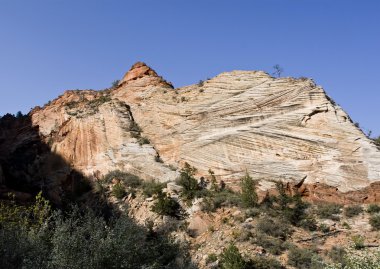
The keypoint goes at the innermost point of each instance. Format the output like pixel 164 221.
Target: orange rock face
pixel 141 70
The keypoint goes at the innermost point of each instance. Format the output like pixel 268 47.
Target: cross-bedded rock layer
pixel 237 122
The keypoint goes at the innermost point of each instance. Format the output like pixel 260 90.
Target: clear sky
pixel 48 46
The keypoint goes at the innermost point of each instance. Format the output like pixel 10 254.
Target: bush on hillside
pixel 304 258
pixel 338 255
pixel 275 227
pixel 231 258
pixel 130 180
pixel 222 198
pixel 191 188
pixel 274 246
pixel 373 208
pixel 118 191
pixel 249 196
pixel 374 220
pixel 352 211
pixel 79 239
pixel 166 206
pixel 329 211
pixel 152 187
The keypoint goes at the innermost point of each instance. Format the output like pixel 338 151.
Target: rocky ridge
pixel 276 129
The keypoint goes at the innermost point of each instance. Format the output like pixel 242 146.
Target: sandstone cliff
pixel 275 128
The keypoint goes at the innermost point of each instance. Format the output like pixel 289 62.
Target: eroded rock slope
pixel 274 128
pixel 241 121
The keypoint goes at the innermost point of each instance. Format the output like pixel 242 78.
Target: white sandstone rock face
pixel 276 129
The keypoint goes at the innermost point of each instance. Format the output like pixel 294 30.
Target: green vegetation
pixel 232 259
pixel 135 130
pixel 211 258
pixel 373 208
pixel 249 196
pixel 358 241
pixel 351 260
pixel 134 127
pixel 377 141
pixel 352 211
pixel 166 206
pixel 304 258
pixel 275 227
pixel 118 191
pixel 222 198
pixel 143 140
pixel 40 237
pixel 338 255
pixel 151 188
pixel 115 83
pixel 324 228
pixel 260 262
pixel 273 245
pixel 329 211
pixel 128 179
pixel 374 220
pixel 191 188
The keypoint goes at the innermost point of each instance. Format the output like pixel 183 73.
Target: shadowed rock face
pixel 276 129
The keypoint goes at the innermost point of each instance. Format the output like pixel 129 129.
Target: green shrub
pixel 252 212
pixel 224 197
pixel 260 262
pixel 143 140
pixel 282 199
pixel 191 188
pixel 352 211
pixel 79 239
pixel 295 212
pixel 128 179
pixel 274 227
pixel 337 255
pixel 345 225
pixel 118 191
pixel 373 208
pixel 214 186
pixel 377 141
pixel 304 258
pixel 115 83
pixel 166 206
pixel 274 246
pixel 232 259
pixel 309 223
pixel 358 241
pixel 243 235
pixel 366 260
pixel 35 215
pixel 374 220
pixel 151 188
pixel 329 211
pixel 324 228
pixel 211 258
pixel 249 196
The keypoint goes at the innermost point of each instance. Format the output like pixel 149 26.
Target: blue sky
pixel 48 46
